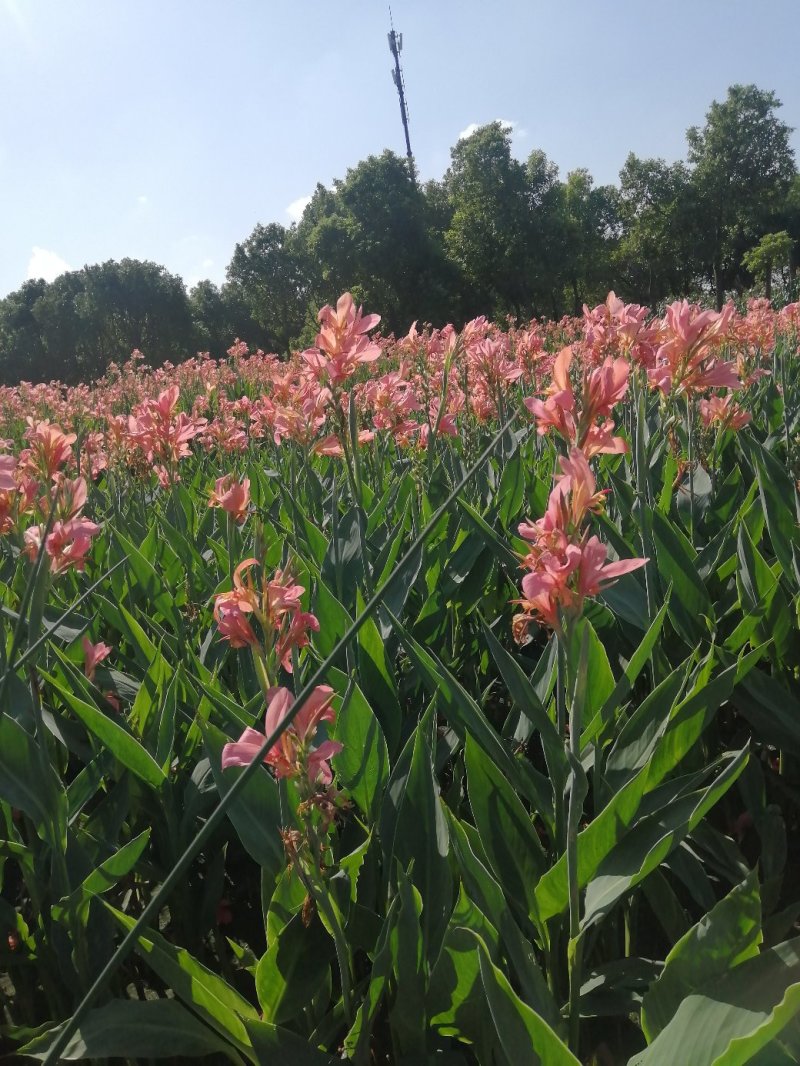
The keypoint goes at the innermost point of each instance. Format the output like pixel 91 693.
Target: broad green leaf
pixel 274 1046
pixel 524 1035
pixel 690 602
pixel 407 1015
pixel 421 838
pixel 738 1015
pixel 505 827
pixel 105 876
pixel 636 664
pixel 725 937
pixel 293 969
pixel 466 717
pixel 524 696
pixel 363 763
pixel 686 724
pixel 124 746
pixel 648 843
pixel 134 1029
pixel 376 680
pixel 29 782
pixel 206 993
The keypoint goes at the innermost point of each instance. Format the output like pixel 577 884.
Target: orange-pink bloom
pixel 293 754
pixel 232 496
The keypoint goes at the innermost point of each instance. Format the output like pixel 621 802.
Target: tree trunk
pixel 768 280
pixel 719 292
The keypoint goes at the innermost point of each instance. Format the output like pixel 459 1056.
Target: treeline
pixel 495 236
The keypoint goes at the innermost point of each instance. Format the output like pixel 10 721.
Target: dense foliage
pixel 494 236
pixel 340 690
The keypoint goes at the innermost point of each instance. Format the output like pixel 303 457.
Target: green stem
pixel 577 794
pixel 689 437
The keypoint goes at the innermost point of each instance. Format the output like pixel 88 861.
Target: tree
pixel 773 250
pixel 743 167
pixel 591 230
pixel 271 277
pixel 370 235
pixel 489 235
pixel 656 254
pixel 73 327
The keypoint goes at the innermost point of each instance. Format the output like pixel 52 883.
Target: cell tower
pixel 396 47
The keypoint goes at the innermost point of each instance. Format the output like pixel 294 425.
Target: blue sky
pixel 166 129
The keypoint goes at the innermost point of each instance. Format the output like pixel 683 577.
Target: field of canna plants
pixel 420 700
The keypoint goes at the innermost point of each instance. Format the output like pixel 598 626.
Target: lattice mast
pixel 396 47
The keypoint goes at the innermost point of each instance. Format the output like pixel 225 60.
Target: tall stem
pixel 577 794
pixel 689 436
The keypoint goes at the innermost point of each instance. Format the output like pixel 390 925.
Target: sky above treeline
pixel 168 130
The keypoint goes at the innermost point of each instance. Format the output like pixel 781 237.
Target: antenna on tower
pixel 396 47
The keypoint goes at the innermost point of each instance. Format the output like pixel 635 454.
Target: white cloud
pixel 46 264
pixel 506 123
pixel 142 201
pixel 297 207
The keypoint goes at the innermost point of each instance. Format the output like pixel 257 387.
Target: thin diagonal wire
pixel 152 908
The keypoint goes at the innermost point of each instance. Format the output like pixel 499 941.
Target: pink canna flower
pixel 67 544
pixel 92 655
pixel 342 344
pixel 566 564
pixel 232 496
pixel 594 574
pixel 724 411
pixel 686 360
pixel 293 754
pixel 8 465
pixel 230 615
pixel 48 448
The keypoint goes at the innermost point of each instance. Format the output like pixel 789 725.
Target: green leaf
pixel 124 746
pixel 466 717
pixel 28 781
pixel 649 842
pixel 725 937
pixel 635 666
pixel 334 621
pixel 524 696
pixel 690 602
pixel 686 723
pixel 407 1015
pixel 524 1035
pixel 105 876
pixel 205 992
pixel 421 837
pixel 731 1020
pixel 507 833
pixel 511 490
pixel 375 678
pixel 293 969
pixel 134 1029
pixel 274 1046
pixel 363 763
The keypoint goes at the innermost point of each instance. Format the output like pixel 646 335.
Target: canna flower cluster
pixel 163 434
pixel 34 485
pixel 565 563
pixel 724 412
pixel 342 343
pixel 687 359
pixel 577 418
pixel 273 608
pixel 293 755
